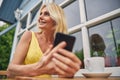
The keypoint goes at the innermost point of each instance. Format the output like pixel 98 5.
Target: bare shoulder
pixel 26 36
pixel 27 33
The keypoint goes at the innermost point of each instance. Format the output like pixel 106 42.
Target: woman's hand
pixel 46 63
pixel 67 64
pixel 59 61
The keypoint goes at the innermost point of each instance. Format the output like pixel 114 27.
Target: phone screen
pixel 70 40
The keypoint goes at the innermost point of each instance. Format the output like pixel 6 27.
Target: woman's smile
pixel 42 22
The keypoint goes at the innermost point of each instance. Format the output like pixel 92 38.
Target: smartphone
pixel 70 40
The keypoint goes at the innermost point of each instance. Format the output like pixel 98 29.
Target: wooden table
pixel 2 72
pixel 76 78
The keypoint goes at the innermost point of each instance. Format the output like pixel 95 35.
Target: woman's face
pixel 45 21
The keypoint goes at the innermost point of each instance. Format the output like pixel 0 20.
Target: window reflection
pixel 116 29
pixel 103 43
pixel 97 45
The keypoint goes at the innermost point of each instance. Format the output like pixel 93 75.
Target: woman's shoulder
pixel 27 35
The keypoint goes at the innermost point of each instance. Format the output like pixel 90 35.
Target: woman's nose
pixel 41 16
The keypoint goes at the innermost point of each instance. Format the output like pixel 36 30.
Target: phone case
pixel 70 40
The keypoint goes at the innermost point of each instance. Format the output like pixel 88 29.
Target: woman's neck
pixel 48 36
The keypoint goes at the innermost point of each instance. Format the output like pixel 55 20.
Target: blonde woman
pixel 35 55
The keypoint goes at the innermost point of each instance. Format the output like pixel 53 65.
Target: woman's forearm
pixel 24 70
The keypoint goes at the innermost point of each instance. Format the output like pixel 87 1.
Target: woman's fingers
pixel 45 59
pixel 60 45
pixel 69 55
pixel 48 50
pixel 69 62
pixel 52 50
pixel 63 69
pixel 64 65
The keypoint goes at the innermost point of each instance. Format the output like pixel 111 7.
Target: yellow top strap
pixel 34 52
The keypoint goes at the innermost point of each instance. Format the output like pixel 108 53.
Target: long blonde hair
pixel 57 14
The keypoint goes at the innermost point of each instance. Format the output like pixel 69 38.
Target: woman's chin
pixel 41 26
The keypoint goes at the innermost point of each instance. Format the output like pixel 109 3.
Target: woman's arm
pixel 22 48
pixel 21 70
pixel 19 55
pixel 16 66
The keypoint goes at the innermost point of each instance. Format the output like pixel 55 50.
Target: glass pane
pixel 59 1
pixel 116 28
pixel 97 8
pixel 35 28
pixel 23 23
pixel 35 13
pixel 72 14
pixel 102 43
pixel 78 47
pixel 27 5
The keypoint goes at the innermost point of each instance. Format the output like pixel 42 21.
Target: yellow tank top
pixel 34 53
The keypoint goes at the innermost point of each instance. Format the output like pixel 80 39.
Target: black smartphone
pixel 70 40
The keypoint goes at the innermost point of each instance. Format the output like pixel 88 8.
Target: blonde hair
pixel 57 14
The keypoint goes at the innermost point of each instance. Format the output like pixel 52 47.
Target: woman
pixel 35 55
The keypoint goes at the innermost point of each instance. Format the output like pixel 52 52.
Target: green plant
pixel 80 55
pixel 5 46
pixel 97 53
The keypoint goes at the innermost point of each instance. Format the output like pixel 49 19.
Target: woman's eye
pixel 41 13
pixel 47 14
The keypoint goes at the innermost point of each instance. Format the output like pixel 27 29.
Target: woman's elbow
pixel 9 72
